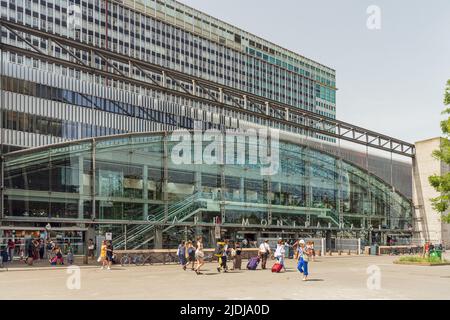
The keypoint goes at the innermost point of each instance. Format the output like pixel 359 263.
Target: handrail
pixel 176 209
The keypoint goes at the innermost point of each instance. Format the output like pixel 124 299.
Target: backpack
pixel 219 249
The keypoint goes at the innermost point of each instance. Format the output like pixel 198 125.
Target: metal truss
pixel 168 81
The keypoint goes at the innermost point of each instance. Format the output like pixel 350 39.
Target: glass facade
pixel 166 33
pixel 132 178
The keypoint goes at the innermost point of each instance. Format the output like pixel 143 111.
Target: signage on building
pixel 217 232
pixel 108 236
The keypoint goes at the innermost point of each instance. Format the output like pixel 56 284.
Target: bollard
pixel 349 253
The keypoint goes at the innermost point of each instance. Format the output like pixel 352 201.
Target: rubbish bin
pixel 436 253
pixel 374 249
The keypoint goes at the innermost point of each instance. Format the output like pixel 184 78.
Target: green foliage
pixel 420 259
pixel 442 183
pixel 447 94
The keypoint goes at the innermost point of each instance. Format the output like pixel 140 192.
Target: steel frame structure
pixel 224 98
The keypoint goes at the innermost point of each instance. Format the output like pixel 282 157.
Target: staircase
pixel 333 217
pixel 179 211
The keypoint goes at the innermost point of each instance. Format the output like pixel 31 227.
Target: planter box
pixel 427 264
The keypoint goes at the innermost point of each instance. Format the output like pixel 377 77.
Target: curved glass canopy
pixel 138 177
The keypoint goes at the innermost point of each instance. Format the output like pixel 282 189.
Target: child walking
pixel 303 259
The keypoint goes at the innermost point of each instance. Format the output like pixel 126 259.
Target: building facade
pixel 165 33
pixel 428 224
pixel 92 90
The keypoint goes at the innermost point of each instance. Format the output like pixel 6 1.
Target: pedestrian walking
pixel 199 255
pixel 236 256
pixel 35 249
pixel 31 254
pixel 11 247
pixel 41 249
pixel 280 254
pixel 181 254
pixel 218 253
pixel 91 249
pixel 224 257
pixel 191 254
pixel 264 252
pixel 109 254
pixel 295 249
pixel 102 257
pixel 303 259
pixel 310 249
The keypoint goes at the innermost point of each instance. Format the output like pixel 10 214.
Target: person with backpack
pixel 264 252
pixel 303 259
pixel 191 254
pixel 219 253
pixel 181 254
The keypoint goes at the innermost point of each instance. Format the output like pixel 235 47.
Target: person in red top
pixel 426 249
pixel 11 248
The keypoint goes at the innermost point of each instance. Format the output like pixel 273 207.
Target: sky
pixel 390 80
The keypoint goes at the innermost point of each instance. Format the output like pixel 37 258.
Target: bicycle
pixel 170 258
pixel 129 259
pixel 142 260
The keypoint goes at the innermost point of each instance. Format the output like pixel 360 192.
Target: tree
pixel 442 183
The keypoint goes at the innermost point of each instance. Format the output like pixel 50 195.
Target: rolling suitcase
pixel 277 267
pixel 253 263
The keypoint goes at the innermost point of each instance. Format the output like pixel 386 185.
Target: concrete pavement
pixel 363 277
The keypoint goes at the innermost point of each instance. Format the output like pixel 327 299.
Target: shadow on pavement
pixel 313 280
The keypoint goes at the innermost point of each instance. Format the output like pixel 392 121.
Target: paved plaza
pixel 330 278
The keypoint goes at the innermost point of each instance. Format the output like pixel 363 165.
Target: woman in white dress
pixel 199 255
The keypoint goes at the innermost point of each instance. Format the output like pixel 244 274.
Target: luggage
pixel 253 263
pixel 53 261
pixel 277 267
